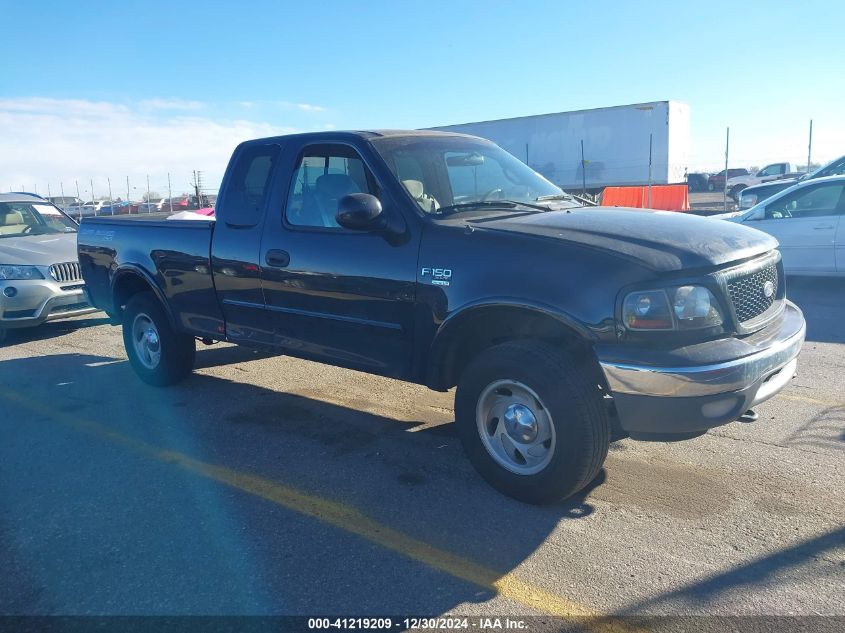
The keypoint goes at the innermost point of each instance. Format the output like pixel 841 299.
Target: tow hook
pixel 749 416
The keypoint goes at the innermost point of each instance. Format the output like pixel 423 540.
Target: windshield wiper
pixel 554 196
pixel 491 204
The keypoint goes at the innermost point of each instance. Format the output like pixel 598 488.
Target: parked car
pixel 750 196
pixel 775 171
pixel 697 182
pixel 147 207
pixel 807 220
pixel 388 259
pixel 39 271
pixel 757 193
pixel 63 202
pixel 716 182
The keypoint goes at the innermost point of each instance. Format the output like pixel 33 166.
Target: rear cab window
pixel 248 184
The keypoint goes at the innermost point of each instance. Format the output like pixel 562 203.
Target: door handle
pixel 277 259
pixel 822 227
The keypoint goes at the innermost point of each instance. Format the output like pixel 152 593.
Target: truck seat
pixel 426 202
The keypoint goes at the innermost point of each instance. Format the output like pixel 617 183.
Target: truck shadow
pixel 418 483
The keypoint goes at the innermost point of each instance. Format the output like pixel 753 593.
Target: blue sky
pixel 193 76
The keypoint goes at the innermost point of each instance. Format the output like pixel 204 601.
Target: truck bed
pixel 174 254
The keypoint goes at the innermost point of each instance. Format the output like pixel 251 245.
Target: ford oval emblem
pixel 768 290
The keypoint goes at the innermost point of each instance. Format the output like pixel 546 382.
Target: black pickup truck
pixel 441 259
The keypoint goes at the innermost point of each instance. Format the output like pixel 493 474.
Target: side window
pixel 248 184
pixel 323 175
pixel 809 202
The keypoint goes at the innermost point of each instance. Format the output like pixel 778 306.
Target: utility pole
pixel 169 193
pixel 650 139
pixel 111 202
pixel 62 188
pixel 198 187
pixel 725 187
pixel 810 146
pixel 583 171
pixel 148 194
pixel 92 197
pixel 78 198
pixel 49 194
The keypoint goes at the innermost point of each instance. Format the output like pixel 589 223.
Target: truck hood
pixel 660 240
pixel 38 250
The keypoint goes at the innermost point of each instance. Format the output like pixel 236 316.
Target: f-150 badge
pixel 438 276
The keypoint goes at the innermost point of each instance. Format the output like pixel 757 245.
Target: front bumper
pixel 721 381
pixel 39 300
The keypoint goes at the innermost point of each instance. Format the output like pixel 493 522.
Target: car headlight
pixel 682 308
pixel 20 272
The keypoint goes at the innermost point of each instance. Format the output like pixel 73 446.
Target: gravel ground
pixel 273 485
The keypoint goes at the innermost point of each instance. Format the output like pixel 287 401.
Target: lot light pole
pixel 78 198
pixel 725 186
pixel 810 146
pixel 111 202
pixel 650 140
pixel 62 188
pixel 92 197
pixel 128 195
pixel 583 171
pixel 169 193
pixel 148 194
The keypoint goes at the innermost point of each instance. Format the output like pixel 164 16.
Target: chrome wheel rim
pixel 146 341
pixel 515 427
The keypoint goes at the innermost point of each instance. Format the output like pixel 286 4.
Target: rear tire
pixel 562 403
pixel 159 355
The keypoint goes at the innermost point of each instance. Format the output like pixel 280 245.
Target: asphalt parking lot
pixel 277 486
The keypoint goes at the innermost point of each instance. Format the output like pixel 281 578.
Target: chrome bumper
pixel 39 300
pixel 652 398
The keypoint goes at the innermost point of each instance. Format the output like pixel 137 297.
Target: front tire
pixel 531 421
pixel 159 354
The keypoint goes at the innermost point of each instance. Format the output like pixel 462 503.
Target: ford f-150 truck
pixel 441 259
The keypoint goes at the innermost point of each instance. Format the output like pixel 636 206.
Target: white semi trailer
pixel 615 144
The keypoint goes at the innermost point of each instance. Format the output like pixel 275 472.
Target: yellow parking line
pixel 808 400
pixel 347 518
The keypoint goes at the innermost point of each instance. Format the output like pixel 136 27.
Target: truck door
pixel 805 223
pixel 235 248
pixel 336 295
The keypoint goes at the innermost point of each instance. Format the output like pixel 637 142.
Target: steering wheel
pixel 492 192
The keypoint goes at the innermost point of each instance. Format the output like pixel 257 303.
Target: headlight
pixel 20 272
pixel 683 308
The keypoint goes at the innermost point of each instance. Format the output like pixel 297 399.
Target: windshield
pixel 445 173
pixel 32 218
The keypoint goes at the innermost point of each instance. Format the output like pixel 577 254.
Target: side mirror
pixel 359 212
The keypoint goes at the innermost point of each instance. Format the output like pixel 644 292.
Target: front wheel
pixel 159 354
pixel 531 421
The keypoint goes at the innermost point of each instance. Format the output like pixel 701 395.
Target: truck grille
pixel 66 273
pixel 748 292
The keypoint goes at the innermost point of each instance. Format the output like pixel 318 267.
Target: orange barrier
pixel 665 197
